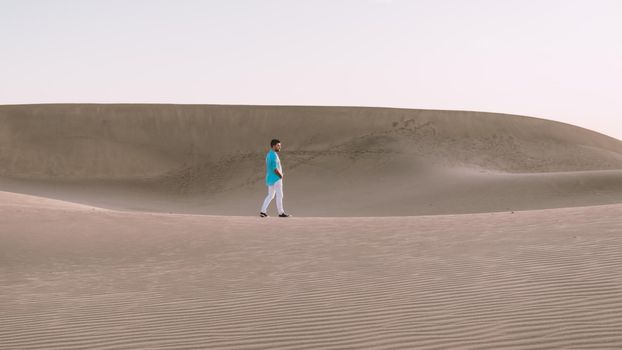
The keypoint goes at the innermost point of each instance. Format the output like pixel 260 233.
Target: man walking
pixel 274 180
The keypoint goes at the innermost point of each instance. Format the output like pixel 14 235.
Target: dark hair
pixel 274 142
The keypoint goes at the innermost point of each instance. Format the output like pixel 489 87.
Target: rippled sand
pixel 78 277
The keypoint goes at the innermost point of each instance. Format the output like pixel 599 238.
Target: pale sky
pixel 554 59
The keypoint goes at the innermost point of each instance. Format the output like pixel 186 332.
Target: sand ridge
pixel 339 161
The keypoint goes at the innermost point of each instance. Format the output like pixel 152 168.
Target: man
pixel 274 180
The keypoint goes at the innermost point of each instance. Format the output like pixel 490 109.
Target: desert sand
pixel 136 227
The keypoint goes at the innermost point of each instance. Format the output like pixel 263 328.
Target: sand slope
pixel 338 161
pixel 77 277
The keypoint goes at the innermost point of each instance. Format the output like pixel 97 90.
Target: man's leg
pixel 278 186
pixel 269 197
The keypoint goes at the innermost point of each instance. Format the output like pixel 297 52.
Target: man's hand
pixel 278 173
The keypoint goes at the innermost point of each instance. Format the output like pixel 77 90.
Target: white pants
pixel 276 188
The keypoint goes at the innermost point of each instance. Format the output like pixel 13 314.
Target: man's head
pixel 275 145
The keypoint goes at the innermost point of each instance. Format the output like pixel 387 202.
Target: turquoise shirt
pixel 272 162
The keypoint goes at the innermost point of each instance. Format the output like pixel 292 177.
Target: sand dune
pixel 416 229
pixel 77 277
pixel 339 161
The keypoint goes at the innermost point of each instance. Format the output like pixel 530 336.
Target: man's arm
pixel 272 164
pixel 278 172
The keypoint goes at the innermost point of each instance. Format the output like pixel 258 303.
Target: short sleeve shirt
pixel 272 162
